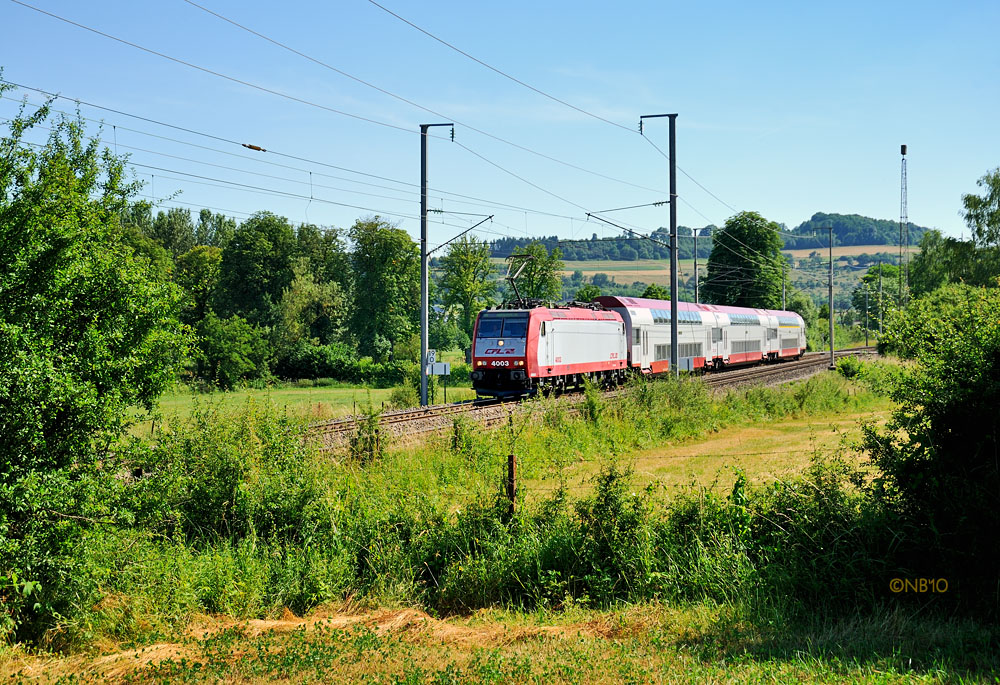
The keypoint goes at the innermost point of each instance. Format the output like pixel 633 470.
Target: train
pixel 519 351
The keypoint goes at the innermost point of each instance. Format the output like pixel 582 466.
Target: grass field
pixel 215 612
pixel 639 644
pixel 314 403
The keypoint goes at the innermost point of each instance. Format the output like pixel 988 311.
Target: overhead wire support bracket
pixel 628 230
pixel 658 203
pixel 470 228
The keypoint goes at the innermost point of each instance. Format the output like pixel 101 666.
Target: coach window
pixel 541 330
pixel 635 335
pixel 716 335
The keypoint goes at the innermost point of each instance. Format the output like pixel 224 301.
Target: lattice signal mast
pixel 904 232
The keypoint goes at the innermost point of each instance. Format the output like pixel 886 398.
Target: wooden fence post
pixel 512 481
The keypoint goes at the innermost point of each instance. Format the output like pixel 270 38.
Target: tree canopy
pixel 745 267
pixel 87 329
pixel 982 212
pixel 256 268
pixel 466 281
pixel 540 278
pixel 386 270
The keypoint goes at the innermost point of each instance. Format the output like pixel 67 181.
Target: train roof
pixel 611 301
pixel 550 313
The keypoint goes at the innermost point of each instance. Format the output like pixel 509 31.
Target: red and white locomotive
pixel 516 352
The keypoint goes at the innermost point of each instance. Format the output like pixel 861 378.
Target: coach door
pixel 636 346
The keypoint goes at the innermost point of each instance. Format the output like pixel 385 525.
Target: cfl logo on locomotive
pixel 500 350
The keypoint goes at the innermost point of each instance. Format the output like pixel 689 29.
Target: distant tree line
pixel 848 230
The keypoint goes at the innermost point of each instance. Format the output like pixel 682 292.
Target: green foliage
pixel 197 272
pixel 849 367
pixel 341 363
pixel 848 229
pixel 947 260
pixel 587 293
pixel 386 272
pixel 232 479
pixel 467 280
pixel 540 278
pixel 86 328
pixel 445 332
pixel 982 212
pixel 367 444
pixel 656 292
pixel 174 230
pixel 230 350
pixel 890 290
pixel 937 456
pixel 309 311
pixel 592 403
pixel 745 267
pixel 255 269
pixel 615 247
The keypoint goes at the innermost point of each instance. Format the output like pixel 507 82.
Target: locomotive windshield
pixel 502 327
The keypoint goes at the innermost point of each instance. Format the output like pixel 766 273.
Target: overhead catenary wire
pixel 546 95
pixel 304 101
pixel 311 103
pixel 413 103
pixel 465 199
pixel 212 72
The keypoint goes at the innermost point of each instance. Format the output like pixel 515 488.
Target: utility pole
pixel 880 305
pixel 782 283
pixel 424 291
pixel 672 155
pixel 832 364
pixel 866 315
pixel 903 225
pixel 694 232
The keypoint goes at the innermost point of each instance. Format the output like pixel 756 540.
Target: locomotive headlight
pixel 499 343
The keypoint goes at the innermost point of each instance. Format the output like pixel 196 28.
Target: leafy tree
pixel 982 212
pixel 467 279
pixel 540 278
pixel 197 272
pixel 938 454
pixel 230 350
pixel 601 280
pixel 138 239
pixel 890 291
pixel 309 311
pixel 255 269
pixel 214 229
pixel 587 293
pixel 87 330
pixel 848 229
pixel 744 269
pixel 386 270
pixel 445 332
pixel 656 292
pixel 628 253
pixel 946 260
pixel 174 230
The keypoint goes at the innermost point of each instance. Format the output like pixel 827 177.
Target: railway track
pixel 490 412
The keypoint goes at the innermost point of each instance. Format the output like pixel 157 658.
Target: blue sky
pixel 784 108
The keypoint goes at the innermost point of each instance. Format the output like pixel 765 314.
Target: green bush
pixel 937 457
